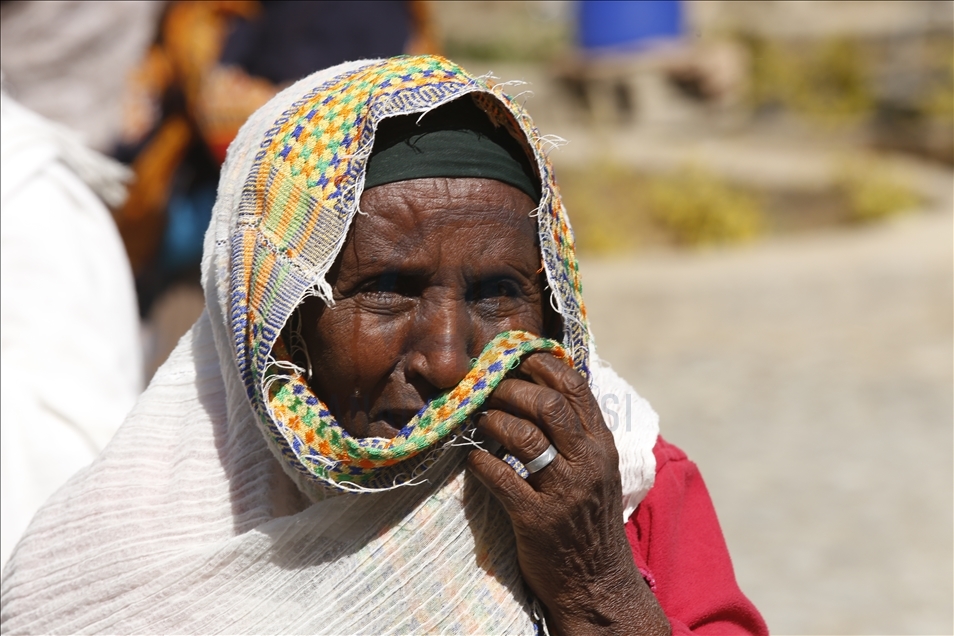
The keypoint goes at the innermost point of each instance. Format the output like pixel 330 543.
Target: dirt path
pixel 811 379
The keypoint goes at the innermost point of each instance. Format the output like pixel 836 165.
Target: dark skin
pixel 432 270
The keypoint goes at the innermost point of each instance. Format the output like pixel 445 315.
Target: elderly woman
pixel 387 419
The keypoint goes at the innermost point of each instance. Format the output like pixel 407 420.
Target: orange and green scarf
pixel 350 463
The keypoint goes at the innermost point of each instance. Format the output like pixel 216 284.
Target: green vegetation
pixel 607 207
pixel 832 81
pixel 698 208
pixel 938 100
pixel 827 81
pixel 613 209
pixel 872 192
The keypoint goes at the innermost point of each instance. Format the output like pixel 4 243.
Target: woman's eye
pixel 498 288
pixel 387 283
pixel 387 288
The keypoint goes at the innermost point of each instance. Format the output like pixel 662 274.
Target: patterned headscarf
pixel 297 204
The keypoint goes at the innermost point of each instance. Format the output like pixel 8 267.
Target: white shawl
pixel 187 523
pixel 70 348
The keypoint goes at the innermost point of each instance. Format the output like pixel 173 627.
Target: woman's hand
pixel 568 517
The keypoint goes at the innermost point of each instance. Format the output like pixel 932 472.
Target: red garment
pixel 679 548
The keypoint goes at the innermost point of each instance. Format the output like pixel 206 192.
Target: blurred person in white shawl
pixel 71 361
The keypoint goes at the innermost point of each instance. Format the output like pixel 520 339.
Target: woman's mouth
pixel 388 423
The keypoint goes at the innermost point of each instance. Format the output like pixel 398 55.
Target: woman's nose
pixel 440 351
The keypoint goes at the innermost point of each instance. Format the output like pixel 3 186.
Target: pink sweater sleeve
pixel 679 548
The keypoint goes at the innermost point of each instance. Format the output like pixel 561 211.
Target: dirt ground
pixel 811 379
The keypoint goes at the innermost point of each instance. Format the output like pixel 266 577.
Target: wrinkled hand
pixel 568 517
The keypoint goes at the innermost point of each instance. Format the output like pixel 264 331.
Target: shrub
pixel 698 208
pixel 873 192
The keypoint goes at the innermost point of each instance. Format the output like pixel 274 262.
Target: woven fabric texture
pixel 329 453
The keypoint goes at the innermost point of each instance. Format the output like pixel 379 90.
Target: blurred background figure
pixel 68 60
pixel 69 340
pixel 72 363
pixel 211 66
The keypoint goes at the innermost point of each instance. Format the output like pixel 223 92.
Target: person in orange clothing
pixel 212 65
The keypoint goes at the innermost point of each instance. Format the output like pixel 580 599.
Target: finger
pixel 521 438
pixel 542 406
pixel 501 480
pixel 524 441
pixel 547 370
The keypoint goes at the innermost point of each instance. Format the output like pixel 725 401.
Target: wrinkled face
pixel 432 270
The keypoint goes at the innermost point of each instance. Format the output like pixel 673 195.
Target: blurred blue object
pixel 608 25
pixel 189 214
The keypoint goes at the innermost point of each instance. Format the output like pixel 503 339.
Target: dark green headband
pixel 454 140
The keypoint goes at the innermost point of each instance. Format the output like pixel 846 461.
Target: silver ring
pixel 542 461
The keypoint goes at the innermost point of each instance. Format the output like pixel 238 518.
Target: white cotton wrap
pixel 70 343
pixel 187 523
